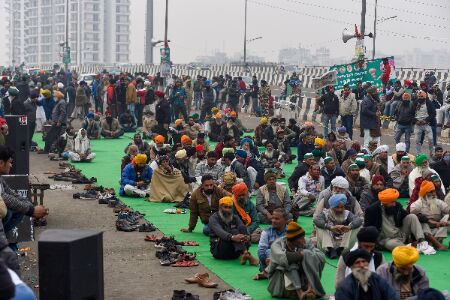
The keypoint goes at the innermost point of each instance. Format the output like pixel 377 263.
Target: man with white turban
pixel 339 185
pixel 382 157
pixel 400 151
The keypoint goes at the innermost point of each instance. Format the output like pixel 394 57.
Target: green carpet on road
pixel 106 168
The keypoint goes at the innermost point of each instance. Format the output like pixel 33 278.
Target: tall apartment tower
pixel 98 31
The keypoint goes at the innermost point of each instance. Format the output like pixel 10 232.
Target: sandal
pixel 151 238
pixel 189 243
pixel 185 263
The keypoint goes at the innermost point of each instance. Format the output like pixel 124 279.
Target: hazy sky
pixel 199 27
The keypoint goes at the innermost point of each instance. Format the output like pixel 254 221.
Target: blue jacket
pixel 349 289
pixel 48 105
pixel 129 176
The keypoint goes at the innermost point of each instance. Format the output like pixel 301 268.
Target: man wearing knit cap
pixel 400 151
pixel 300 170
pixel 330 170
pixel 336 227
pixel 309 188
pixel 407 278
pixel 395 225
pixel 363 283
pixel 370 193
pixel 136 177
pixel 271 196
pixel 356 182
pixel 367 239
pixel 339 185
pixel 399 176
pixel 229 238
pixel 422 168
pixel 433 214
pixel 295 266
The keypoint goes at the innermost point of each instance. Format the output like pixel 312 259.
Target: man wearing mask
pixel 424 117
pixel 204 202
pixel 348 107
pixel 209 96
pixel 330 110
pixel 110 127
pixel 177 97
pixel 404 115
pixel 369 116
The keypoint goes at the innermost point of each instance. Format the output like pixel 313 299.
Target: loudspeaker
pixel 17 140
pixel 24 231
pixel 71 264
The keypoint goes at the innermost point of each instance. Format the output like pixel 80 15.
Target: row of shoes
pixel 171 253
pixel 72 174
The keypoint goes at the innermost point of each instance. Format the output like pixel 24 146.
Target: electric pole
pixel 245 35
pixel 374 30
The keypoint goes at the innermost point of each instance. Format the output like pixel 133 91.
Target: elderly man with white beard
pixel 433 214
pixel 339 185
pixel 363 284
pixel 422 166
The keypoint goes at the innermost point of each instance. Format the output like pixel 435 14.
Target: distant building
pixel 98 31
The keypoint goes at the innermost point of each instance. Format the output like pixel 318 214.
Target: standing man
pixel 131 98
pixel 424 116
pixel 177 97
pixel 348 106
pixel 404 115
pixel 369 116
pixel 30 108
pixel 209 95
pixel 330 110
pixel 59 120
pixel 264 94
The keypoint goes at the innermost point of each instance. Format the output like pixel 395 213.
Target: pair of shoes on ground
pixel 147 227
pixel 250 258
pixel 202 279
pixel 231 295
pixel 124 225
pixel 183 295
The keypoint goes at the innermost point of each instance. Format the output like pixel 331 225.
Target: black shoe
pixel 123 225
pixel 147 227
pixel 185 202
pixel 190 296
pixel 178 294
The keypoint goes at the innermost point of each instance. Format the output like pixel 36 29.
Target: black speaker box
pixel 71 265
pixel 17 140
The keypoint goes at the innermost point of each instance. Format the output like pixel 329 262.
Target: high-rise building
pixel 98 31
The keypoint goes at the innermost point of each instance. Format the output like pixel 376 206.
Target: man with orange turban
pixel 407 278
pixel 246 210
pixel 395 225
pixel 229 238
pixel 159 147
pixel 433 214
pixel 186 141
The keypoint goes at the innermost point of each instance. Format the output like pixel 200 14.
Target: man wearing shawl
pixel 402 274
pixel 229 238
pixel 395 225
pixel 433 214
pixel 336 227
pixel 295 266
pixel 246 211
pixel 81 148
pixel 422 167
pixel 381 156
pixel 167 183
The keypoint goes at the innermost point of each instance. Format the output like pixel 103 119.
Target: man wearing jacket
pixel 136 177
pixel 348 106
pixel 59 119
pixel 369 115
pixel 424 118
pixel 404 115
pixel 330 110
pixel 204 202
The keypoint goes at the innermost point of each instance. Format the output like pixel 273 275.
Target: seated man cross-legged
pixel 136 177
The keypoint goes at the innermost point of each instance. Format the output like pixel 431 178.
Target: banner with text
pixel 374 71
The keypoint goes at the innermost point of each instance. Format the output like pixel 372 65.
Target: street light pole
pixel 374 30
pixel 66 64
pixel 166 25
pixel 245 35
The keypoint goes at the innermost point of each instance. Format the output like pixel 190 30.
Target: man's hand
pixel 40 211
pixel 185 230
pixel 140 183
pixel 345 229
pixel 269 216
pixel 436 224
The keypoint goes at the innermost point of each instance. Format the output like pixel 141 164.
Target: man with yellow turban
pixel 246 210
pixel 407 278
pixel 215 126
pixel 433 214
pixel 395 225
pixel 229 238
pixel 259 130
pixel 136 177
pixel 295 266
